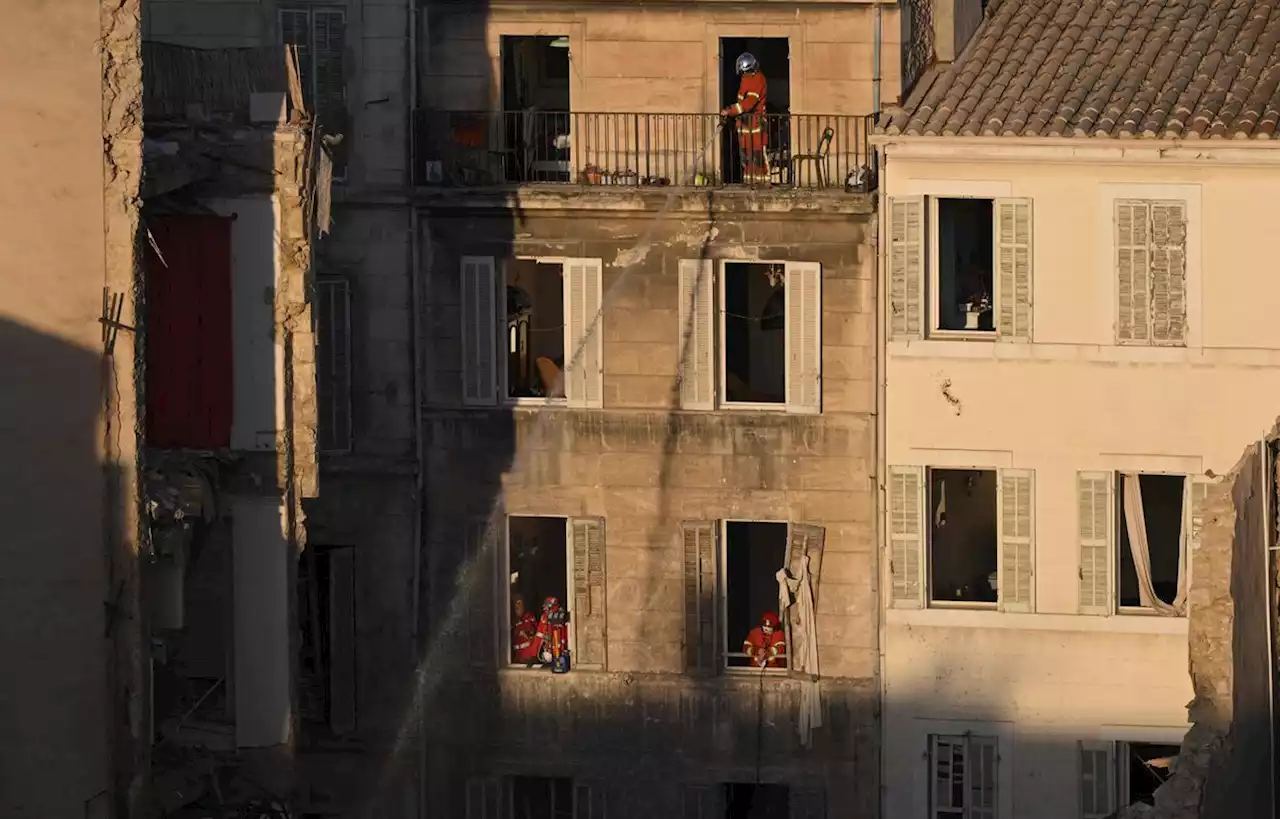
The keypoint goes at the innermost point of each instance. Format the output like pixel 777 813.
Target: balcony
pixel 487 149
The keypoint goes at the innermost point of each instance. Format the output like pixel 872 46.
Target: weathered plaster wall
pixel 644 725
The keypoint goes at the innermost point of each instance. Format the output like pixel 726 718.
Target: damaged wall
pixel 72 696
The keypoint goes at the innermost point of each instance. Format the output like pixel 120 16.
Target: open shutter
pixel 342 640
pixel 804 337
pixel 1168 273
pixel 697 335
pixel 583 347
pixel 906 265
pixel 587 619
pixel 590 800
pixel 906 538
pixel 482 600
pixel 703 802
pixel 802 539
pixel 808 803
pixel 981 777
pixel 1013 263
pixel 1017 540
pixel 1097 786
pixel 479 331
pixel 1133 272
pixel 487 798
pixel 700 644
pixel 1093 504
pixel 1199 488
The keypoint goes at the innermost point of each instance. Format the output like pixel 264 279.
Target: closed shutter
pixel 906 538
pixel 333 364
pixel 583 346
pixel 487 798
pixel 1133 272
pixel 1093 504
pixel 590 800
pixel 342 640
pixel 482 600
pixel 804 337
pixel 1013 263
pixel 1168 273
pixel 906 265
pixel 1017 540
pixel 479 331
pixel 697 335
pixel 808 803
pixel 587 619
pixel 295 30
pixel 1097 784
pixel 329 43
pixel 700 645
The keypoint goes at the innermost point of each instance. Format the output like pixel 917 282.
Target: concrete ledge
pixel 969 618
pixel 789 202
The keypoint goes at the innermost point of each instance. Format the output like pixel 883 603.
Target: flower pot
pixel 971 318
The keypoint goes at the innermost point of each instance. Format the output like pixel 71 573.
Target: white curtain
pixel 802 651
pixel 1135 522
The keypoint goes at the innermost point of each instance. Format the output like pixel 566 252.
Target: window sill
pixel 988 618
pixel 534 402
pixel 740 671
pixel 748 406
pixel 963 335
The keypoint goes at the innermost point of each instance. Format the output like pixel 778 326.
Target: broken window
pixel 326 645
pixel 1151 262
pixel 333 364
pixel 964 776
pixel 535 340
pixel 536 106
pixel 541 797
pixel 755 339
pixel 973 263
pixel 963 536
pixel 754 635
pixel 1144 767
pixel 319 34
pixel 1150 515
pixel 522 326
pixel 744 800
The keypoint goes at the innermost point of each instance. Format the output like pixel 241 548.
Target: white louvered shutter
pixel 479 331
pixel 1168 273
pixel 697 334
pixel 587 617
pixel 1093 505
pixel 1097 780
pixel 700 643
pixel 906 266
pixel 1013 265
pixel 906 536
pixel 1017 540
pixel 804 337
pixel 1133 272
pixel 584 342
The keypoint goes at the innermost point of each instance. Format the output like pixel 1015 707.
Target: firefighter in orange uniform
pixel 749 110
pixel 766 644
pixel 523 632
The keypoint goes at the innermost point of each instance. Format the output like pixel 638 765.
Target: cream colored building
pixel 1113 213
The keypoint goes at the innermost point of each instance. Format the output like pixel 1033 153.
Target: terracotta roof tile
pixel 1108 68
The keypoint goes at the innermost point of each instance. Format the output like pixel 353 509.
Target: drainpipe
pixel 875 68
pixel 880 300
pixel 1268 466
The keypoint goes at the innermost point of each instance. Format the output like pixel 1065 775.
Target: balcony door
pixel 774 56
pixel 536 125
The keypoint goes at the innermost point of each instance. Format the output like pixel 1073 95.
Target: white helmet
pixel 746 63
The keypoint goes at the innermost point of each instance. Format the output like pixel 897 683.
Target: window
pixel 976 547
pixel 964 776
pixel 540 797
pixel 769 353
pixel 738 162
pixel 1151 266
pixel 1119 774
pixel 522 345
pixel 1137 528
pixel 333 364
pixel 327 640
pixel 560 559
pixel 535 105
pixel 973 264
pixel 730 570
pixel 756 801
pixel 319 33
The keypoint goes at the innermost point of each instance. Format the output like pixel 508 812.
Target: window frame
pixel 502 273
pixel 504 624
pixel 722 600
pixel 342 284
pixel 1117 521
pixel 1118 767
pixel 933 274
pixel 965 811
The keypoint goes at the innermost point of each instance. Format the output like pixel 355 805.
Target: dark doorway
pixel 774 56
pixel 756 801
pixel 536 105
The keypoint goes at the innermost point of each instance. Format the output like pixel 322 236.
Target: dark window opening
pixel 541 797
pixel 755 346
pixel 963 547
pixel 538 572
pixel 319 33
pixel 535 102
pixel 754 552
pixel 1162 499
pixel 326 637
pixel 966 284
pixel 1150 766
pixel 535 329
pixel 756 801
pixel 774 57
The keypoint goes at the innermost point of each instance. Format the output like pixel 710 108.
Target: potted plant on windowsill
pixel 974 309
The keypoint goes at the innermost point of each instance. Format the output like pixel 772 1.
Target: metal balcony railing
pixel 476 149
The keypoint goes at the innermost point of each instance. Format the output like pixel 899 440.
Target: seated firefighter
pixel 766 644
pixel 524 630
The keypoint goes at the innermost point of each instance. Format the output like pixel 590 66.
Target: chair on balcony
pixel 819 158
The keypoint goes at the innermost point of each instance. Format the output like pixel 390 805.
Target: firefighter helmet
pixel 746 63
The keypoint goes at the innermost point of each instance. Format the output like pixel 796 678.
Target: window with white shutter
pixel 906 266
pixel 1013 268
pixel 965 536
pixel 589 624
pixel 804 337
pixel 479 331
pixel 1151 272
pixel 964 776
pixel 1017 540
pixel 906 538
pixel 700 643
pixel 333 363
pixel 319 35
pixel 697 335
pixel 584 338
pixel 1097 780
pixel 1093 518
